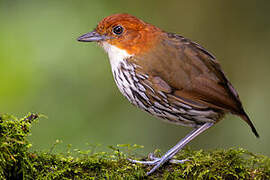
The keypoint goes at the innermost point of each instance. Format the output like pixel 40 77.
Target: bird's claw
pixel 152 162
pixel 176 161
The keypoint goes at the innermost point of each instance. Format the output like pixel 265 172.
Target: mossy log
pixel 18 161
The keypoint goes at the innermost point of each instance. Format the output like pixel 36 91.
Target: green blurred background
pixel 44 69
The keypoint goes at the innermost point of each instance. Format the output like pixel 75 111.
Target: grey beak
pixel 92 37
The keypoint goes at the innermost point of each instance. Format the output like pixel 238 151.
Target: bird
pixel 168 76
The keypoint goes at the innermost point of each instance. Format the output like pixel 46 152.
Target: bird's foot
pixel 152 157
pixel 156 162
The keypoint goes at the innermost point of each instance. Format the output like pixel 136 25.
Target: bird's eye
pixel 118 30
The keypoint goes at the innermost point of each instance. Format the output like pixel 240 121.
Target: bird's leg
pixel 157 162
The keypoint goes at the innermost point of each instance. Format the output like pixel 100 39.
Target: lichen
pixel 18 161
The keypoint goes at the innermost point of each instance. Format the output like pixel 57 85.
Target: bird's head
pixel 125 32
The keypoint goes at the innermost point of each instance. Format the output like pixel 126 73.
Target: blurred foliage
pixel 17 162
pixel 45 70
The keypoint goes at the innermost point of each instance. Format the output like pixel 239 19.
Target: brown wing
pixel 193 74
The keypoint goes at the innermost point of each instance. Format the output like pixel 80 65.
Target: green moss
pixel 17 161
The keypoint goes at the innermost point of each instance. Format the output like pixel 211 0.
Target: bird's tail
pixel 245 117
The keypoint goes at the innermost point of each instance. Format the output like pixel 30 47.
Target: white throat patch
pixel 116 55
